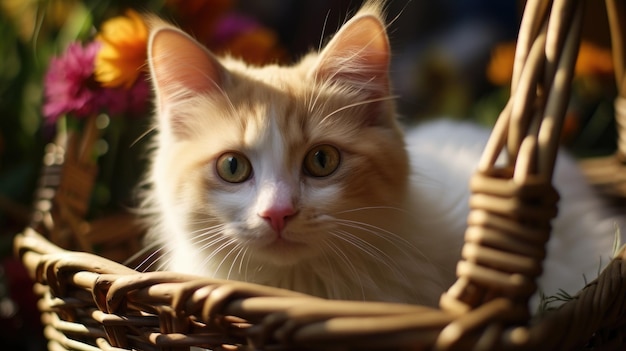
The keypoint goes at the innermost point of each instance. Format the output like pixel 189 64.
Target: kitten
pixel 300 176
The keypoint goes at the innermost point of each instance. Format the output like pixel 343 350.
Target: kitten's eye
pixel 321 161
pixel 233 167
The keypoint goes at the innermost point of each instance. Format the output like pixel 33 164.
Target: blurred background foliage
pixel 452 58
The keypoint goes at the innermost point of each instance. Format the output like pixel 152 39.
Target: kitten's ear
pixel 358 56
pixel 181 67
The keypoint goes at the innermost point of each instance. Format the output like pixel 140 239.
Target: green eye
pixel 233 167
pixel 321 161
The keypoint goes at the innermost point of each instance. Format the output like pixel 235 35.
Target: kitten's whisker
pixel 332 290
pixel 404 246
pixel 223 247
pixel 310 104
pixel 399 242
pixel 215 240
pixel 231 106
pixel 206 229
pixel 204 238
pixel 239 251
pixel 243 257
pixel 160 259
pixel 374 252
pixel 356 104
pixel 142 136
pixel 223 243
pixel 319 47
pixel 214 223
pixel 155 245
pixel 163 259
pixel 317 96
pixel 371 250
pixel 209 242
pixel 204 232
pixel 390 237
pixel 150 260
pixel 344 258
pixel 206 241
pixel 373 208
pixel 164 265
pixel 247 269
pixel 389 23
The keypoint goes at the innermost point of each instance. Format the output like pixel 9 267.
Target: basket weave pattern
pixel 89 302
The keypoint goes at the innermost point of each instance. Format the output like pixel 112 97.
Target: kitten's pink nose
pixel 277 216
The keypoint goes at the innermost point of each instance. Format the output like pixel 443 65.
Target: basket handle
pixel 65 186
pixel 528 131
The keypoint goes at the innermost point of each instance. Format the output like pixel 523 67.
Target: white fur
pixel 444 155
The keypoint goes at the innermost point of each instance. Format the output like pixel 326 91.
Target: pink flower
pixel 69 85
pixel 70 88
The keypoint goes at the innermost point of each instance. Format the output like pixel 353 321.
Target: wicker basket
pixel 89 302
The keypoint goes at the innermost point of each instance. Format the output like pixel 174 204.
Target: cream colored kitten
pixel 300 177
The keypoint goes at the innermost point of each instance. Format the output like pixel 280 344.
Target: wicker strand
pixel 560 80
pixel 620 118
pixel 616 11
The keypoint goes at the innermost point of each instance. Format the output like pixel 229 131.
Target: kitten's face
pixel 276 160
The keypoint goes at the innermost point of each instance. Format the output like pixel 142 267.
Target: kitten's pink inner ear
pixel 181 66
pixel 359 53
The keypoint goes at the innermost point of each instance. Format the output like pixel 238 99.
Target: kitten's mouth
pixel 281 243
pixel 285 250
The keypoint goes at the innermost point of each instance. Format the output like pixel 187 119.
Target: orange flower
pixel 500 68
pixel 123 52
pixel 258 47
pixel 592 61
pixel 242 37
